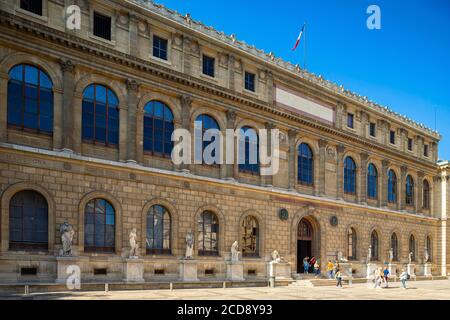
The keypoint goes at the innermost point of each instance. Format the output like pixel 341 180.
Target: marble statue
pixel 133 244
pixel 67 233
pixel 340 257
pixel 391 254
pixel 410 257
pixel 189 245
pixel 276 257
pixel 426 255
pixel 369 254
pixel 234 252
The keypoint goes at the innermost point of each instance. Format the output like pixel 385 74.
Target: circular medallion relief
pixel 283 214
pixel 334 221
pixel 142 26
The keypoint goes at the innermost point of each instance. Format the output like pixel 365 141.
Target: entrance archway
pixel 305 236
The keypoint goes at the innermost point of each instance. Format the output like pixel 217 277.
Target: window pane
pixel 31 75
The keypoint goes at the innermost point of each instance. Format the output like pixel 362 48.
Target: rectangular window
pixel 249 81
pixel 159 48
pixel 372 129
pixel 33 6
pixel 102 26
pixel 350 123
pixel 392 137
pixel 208 66
pixel 425 150
pixel 410 144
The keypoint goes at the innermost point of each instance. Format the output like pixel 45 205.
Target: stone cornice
pixel 103 52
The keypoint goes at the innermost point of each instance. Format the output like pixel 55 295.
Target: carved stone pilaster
pixel 292 136
pixel 340 171
pixel 67 114
pixel 419 196
pixel 322 160
pixel 132 145
pixel 403 172
pixel 363 178
pixel 384 182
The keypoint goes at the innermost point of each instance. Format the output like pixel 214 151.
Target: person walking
pixel 338 277
pixel 330 267
pixel 305 265
pixel 386 277
pixel 317 269
pixel 377 278
pixel 403 278
pixel 312 262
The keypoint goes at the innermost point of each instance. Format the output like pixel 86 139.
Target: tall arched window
pixel 208 234
pixel 100 115
pixel 158 128
pixel 409 191
pixel 158 230
pixel 206 122
pixel 429 249
pixel 394 246
pixel 305 164
pixel 372 182
pixel 28 221
pixel 99 226
pixel 251 153
pixel 392 187
pixel 349 176
pixel 250 237
pixel 374 244
pixel 352 244
pixel 30 99
pixel 412 247
pixel 426 194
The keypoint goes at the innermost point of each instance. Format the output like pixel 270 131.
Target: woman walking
pixel 403 278
pixel 306 265
pixel 338 277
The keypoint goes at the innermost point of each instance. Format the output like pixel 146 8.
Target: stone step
pixel 302 284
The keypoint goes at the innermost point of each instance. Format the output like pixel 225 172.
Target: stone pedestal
pixel 370 270
pixel 392 267
pixel 426 270
pixel 65 267
pixel 410 269
pixel 235 271
pixel 279 270
pixel 134 270
pixel 188 270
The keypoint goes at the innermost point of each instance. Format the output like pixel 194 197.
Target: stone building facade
pixel 152 54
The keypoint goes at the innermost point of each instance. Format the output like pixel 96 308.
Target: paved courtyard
pixel 428 290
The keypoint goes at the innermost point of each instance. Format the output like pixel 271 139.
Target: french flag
pixel 299 38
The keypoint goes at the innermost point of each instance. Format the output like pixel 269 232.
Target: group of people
pixel 382 276
pixel 311 265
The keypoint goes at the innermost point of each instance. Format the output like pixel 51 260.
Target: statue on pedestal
pixel 410 257
pixel 426 255
pixel 133 244
pixel 369 254
pixel 391 255
pixel 276 257
pixel 67 233
pixel 340 257
pixel 189 245
pixel 235 252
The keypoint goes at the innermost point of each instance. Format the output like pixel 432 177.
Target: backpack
pixel 408 277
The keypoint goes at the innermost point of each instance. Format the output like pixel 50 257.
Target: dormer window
pixel 392 137
pixel 425 150
pixel 350 120
pixel 410 144
pixel 372 129
pixel 160 48
pixel 102 26
pixel 33 6
pixel 249 81
pixel 208 66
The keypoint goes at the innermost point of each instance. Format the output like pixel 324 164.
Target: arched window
pixel 28 221
pixel 100 115
pixel 158 230
pixel 409 191
pixel 412 247
pixel 426 194
pixel 372 182
pixel 251 152
pixel 352 244
pixel 206 122
pixel 374 243
pixel 30 99
pixel 250 237
pixel 429 249
pixel 208 234
pixel 99 226
pixel 392 187
pixel 305 165
pixel 349 176
pixel 158 128
pixel 394 246
pixel 305 230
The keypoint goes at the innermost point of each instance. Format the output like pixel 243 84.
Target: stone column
pixel 134 35
pixel 340 110
pixel 231 72
pixel 402 194
pixel 443 236
pixel 77 115
pixel 123 128
pixel 419 147
pixel 292 135
pixel 270 88
pixel 322 160
pixel 140 136
pixel 187 55
pixel 231 123
pixel 419 196
pixel 186 106
pixel 340 172
pixel 363 178
pixel 58 120
pixel 268 180
pixel 133 89
pixel 364 124
pixel 68 70
pixel 4 77
pixel 384 183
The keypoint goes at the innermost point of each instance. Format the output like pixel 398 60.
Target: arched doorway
pixel 304 243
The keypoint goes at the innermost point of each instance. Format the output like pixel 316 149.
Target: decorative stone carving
pixel 276 257
pixel 123 19
pixel 426 255
pixel 223 59
pixel 331 153
pixel 67 66
pixel 133 244
pixel 142 26
pixel 235 252
pixel 178 40
pixel 132 85
pixel 410 256
pixel 189 246
pixel 231 115
pixel 67 233
pixel 186 100
pixel 369 254
pixel 340 257
pixel 391 255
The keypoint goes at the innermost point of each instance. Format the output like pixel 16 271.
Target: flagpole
pixel 304 48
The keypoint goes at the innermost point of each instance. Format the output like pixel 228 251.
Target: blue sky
pixel 405 65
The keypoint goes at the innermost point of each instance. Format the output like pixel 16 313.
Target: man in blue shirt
pixel 386 277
